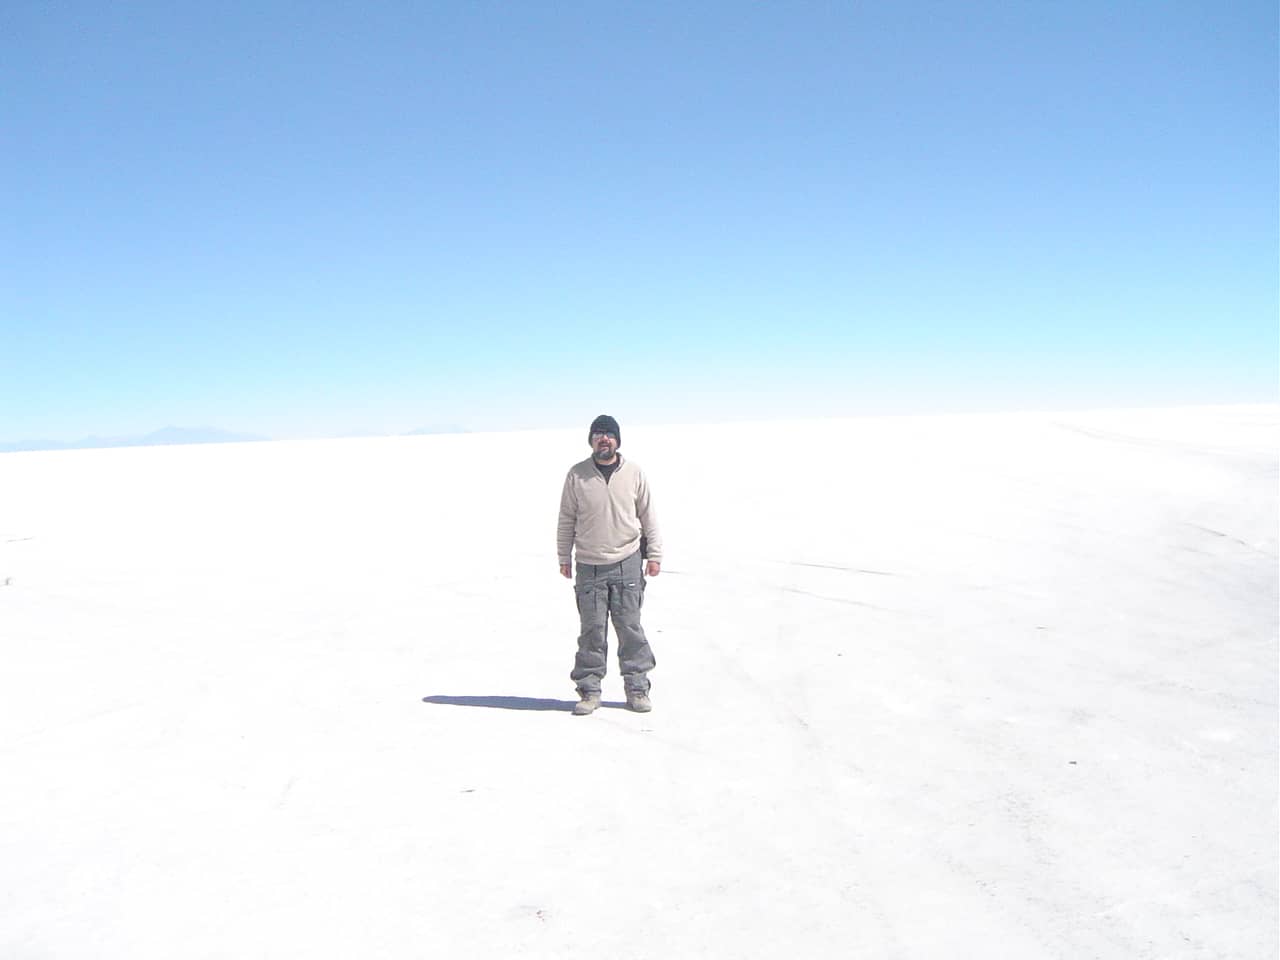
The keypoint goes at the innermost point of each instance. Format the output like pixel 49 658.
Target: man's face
pixel 604 446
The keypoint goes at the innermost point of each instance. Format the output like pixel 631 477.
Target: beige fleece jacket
pixel 605 521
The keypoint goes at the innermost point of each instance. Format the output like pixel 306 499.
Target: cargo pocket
pixel 632 599
pixel 587 596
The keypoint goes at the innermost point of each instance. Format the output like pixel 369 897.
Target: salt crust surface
pixel 970 686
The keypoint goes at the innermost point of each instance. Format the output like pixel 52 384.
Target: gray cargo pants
pixel 611 591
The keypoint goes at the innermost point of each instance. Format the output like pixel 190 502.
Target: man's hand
pixel 564 571
pixel 653 568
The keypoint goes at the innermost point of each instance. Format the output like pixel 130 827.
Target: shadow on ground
pixel 513 703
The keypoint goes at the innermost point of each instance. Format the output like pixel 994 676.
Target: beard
pixel 604 453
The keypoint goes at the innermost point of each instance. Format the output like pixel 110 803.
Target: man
pixel 606 514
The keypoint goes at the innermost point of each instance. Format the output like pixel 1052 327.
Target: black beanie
pixel 605 424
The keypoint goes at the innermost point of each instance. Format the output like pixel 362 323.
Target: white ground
pixel 999 686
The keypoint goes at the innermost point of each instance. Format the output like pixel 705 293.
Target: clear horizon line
pixel 216 435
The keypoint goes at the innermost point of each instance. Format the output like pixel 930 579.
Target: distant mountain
pixel 183 435
pixel 166 436
pixel 423 431
pixel 174 436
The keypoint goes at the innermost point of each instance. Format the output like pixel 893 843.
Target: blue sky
pixel 303 219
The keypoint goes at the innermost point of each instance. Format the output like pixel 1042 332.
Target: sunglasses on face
pixel 600 436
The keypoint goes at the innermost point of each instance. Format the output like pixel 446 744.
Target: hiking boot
pixel 586 705
pixel 639 702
